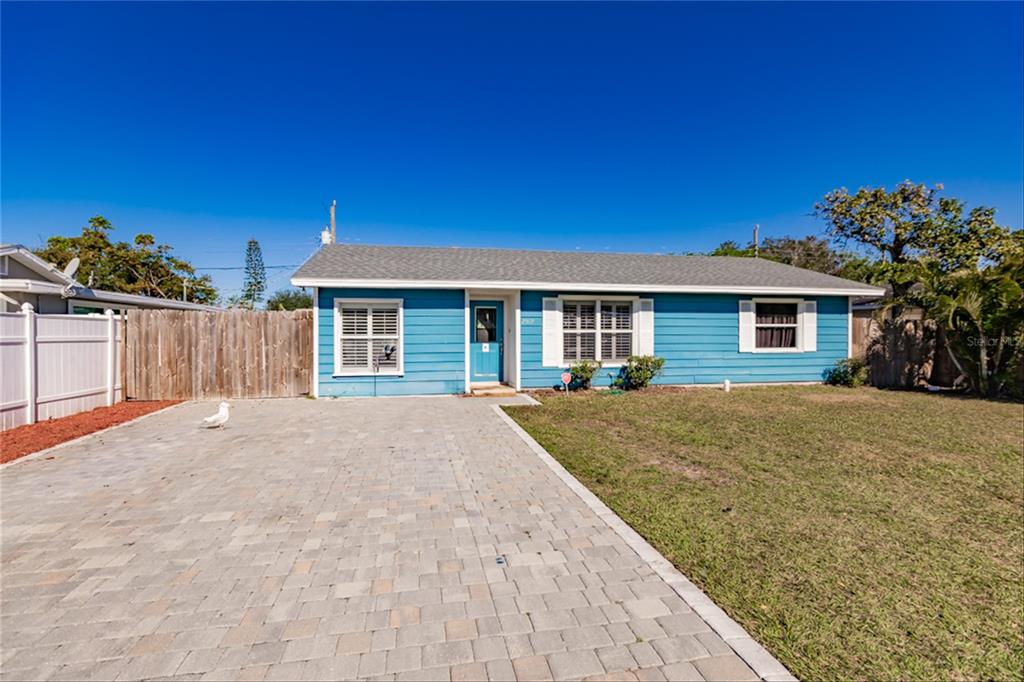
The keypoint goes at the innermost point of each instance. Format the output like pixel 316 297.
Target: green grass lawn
pixel 856 533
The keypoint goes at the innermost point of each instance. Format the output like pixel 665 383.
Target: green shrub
pixel 851 372
pixel 639 371
pixel 582 372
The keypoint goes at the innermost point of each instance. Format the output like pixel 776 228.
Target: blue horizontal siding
pixel 698 335
pixel 434 347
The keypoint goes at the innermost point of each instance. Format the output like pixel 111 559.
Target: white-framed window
pixel 597 329
pixel 367 337
pixel 604 328
pixel 579 330
pixel 778 325
pixel 3 266
pixel 616 330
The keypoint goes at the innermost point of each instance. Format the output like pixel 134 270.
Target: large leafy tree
pixel 140 267
pixel 289 299
pixel 255 283
pixel 960 266
pixel 909 222
pixel 811 253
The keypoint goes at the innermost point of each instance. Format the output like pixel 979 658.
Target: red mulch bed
pixel 24 440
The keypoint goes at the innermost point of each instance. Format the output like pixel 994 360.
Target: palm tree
pixel 982 312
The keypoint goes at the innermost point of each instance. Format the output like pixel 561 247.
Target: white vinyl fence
pixel 56 365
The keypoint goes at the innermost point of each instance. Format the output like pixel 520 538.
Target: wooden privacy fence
pixel 185 354
pixel 902 353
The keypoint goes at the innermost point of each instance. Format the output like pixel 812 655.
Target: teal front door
pixel 486 324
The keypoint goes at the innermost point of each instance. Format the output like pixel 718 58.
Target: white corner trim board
pixel 465 351
pixel 766 666
pixel 849 327
pixel 315 388
pixel 519 340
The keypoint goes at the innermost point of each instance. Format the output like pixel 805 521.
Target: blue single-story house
pixel 416 320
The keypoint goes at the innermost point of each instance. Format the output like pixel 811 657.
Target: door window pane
pixel 486 325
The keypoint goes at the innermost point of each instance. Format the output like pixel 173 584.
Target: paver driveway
pixel 327 539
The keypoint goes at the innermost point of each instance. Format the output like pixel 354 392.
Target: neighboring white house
pixel 27 278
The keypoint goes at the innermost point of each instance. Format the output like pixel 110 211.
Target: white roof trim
pixel 577 286
pixel 91 296
pixel 32 286
pixel 35 263
pixel 85 295
pixel 59 283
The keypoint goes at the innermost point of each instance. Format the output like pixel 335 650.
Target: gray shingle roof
pixel 513 266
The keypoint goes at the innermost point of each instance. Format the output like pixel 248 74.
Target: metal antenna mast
pixel 334 229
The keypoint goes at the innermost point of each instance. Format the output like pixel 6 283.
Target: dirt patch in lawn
pixel 693 473
pixel 841 395
pixel 24 440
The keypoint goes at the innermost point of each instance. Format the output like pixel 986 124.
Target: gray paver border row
pixel 529 399
pixel 766 666
pixel 66 443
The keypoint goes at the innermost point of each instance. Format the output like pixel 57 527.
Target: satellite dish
pixel 72 267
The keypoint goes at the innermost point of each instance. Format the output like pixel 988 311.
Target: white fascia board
pixel 33 262
pixel 31 286
pixel 94 296
pixel 577 286
pixel 100 296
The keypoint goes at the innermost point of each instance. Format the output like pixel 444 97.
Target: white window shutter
pixel 809 326
pixel 552 332
pixel 746 326
pixel 645 327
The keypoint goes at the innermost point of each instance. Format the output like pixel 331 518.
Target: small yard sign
pixel 566 380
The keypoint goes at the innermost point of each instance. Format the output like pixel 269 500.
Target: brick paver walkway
pixel 384 539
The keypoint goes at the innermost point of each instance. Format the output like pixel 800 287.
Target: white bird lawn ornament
pixel 218 420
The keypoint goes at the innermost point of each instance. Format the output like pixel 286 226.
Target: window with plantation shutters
pixel 597 330
pixel 616 331
pixel 354 338
pixel 368 337
pixel 579 330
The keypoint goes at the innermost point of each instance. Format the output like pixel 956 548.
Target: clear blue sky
pixel 642 127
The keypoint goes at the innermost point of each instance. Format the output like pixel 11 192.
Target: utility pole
pixel 334 230
pixel 757 230
pixel 184 289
